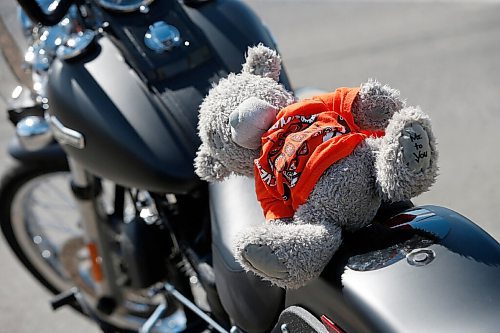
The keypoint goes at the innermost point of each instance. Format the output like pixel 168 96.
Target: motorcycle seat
pixel 234 206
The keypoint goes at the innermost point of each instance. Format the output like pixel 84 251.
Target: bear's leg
pixel 288 255
pixel 406 162
pixel 375 105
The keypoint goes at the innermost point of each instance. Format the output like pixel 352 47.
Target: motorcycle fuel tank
pixel 126 135
pixel 427 269
pixel 128 111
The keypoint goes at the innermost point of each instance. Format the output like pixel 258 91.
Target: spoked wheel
pixel 41 223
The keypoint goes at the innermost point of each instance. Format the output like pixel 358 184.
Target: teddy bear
pixel 322 165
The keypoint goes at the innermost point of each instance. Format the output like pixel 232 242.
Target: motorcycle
pixel 111 217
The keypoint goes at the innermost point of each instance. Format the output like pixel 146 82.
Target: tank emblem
pixel 65 135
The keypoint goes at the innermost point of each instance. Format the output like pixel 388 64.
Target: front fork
pixel 88 194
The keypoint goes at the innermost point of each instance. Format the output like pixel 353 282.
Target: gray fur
pixel 214 128
pixel 208 167
pixel 291 252
pixel 351 203
pixel 304 249
pixel 395 179
pixel 262 61
pixel 375 105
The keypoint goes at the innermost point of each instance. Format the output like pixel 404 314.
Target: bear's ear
pixel 208 167
pixel 263 61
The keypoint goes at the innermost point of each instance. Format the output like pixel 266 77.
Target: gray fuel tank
pixel 128 136
pixel 427 269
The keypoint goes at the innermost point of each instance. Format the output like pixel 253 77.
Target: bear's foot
pixel 288 255
pixel 407 160
pixel 263 259
pixel 416 147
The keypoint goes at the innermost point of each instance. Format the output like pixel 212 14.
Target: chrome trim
pixel 65 135
pixel 75 45
pixel 33 132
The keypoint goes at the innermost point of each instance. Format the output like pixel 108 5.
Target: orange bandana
pixel 307 138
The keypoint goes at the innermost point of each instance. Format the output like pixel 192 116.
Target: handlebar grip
pixel 37 15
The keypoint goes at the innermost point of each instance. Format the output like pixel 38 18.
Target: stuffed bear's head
pixel 254 93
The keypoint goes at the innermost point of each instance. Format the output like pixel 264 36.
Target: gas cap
pixel 162 37
pixel 420 257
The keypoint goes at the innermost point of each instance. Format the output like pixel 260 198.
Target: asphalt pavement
pixel 443 56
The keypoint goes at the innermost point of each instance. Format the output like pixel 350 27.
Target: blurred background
pixel 442 55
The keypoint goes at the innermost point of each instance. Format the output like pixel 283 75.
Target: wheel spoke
pixel 52 188
pixel 47 218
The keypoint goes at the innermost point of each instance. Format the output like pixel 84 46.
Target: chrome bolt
pixel 284 328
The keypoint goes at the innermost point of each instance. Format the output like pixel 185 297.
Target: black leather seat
pixel 254 304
